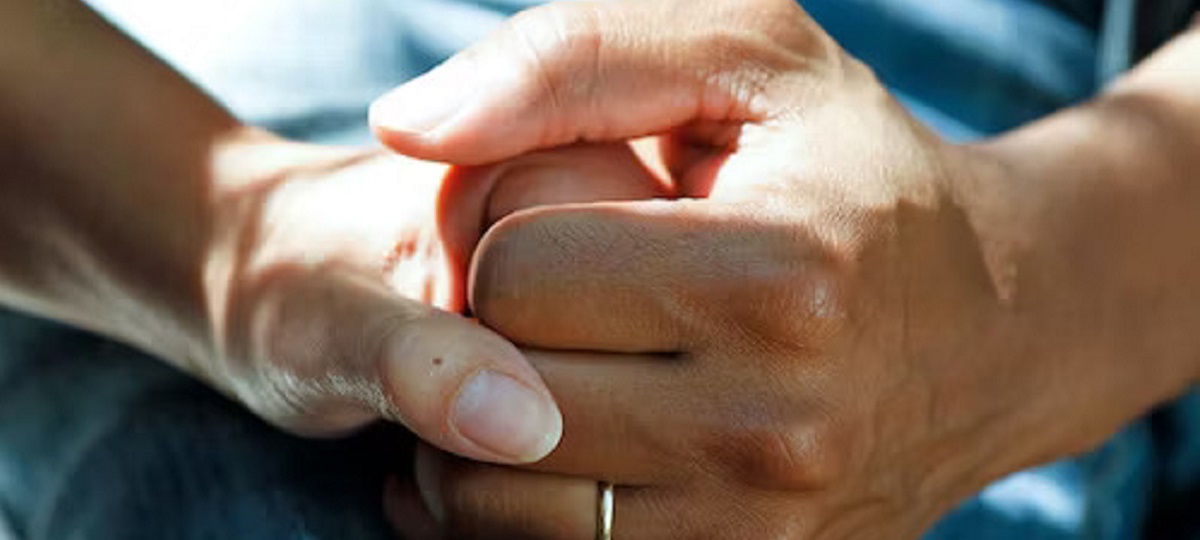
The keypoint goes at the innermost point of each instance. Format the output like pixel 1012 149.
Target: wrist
pixel 1084 237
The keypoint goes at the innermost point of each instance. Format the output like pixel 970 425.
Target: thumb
pixel 608 71
pixel 335 350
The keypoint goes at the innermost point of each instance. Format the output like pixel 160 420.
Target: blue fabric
pixel 98 441
pixel 969 67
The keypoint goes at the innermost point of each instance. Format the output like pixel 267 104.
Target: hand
pixel 314 285
pixel 828 340
pixel 332 288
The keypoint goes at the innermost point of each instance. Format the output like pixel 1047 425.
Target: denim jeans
pixel 98 441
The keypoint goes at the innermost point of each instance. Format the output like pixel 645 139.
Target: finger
pixel 653 421
pixel 576 174
pixel 406 511
pixel 473 198
pixel 478 501
pixel 659 276
pixel 611 427
pixel 329 340
pixel 600 71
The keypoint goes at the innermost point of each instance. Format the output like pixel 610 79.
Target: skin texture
pixel 318 286
pixel 845 325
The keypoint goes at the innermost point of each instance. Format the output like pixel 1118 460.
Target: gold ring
pixel 604 511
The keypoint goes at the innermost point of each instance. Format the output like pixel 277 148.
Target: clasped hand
pixel 817 337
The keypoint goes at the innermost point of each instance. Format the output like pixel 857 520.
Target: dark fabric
pixel 1175 513
pixel 968 68
pixel 98 441
pixel 1089 12
pixel 1159 20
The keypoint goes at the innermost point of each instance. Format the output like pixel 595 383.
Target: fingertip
pixel 443 116
pixel 426 146
pixel 424 104
pixel 409 144
pixel 457 143
pixel 500 413
pixel 469 391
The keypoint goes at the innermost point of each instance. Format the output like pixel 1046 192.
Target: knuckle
pixel 786 301
pixel 790 28
pixel 747 53
pixel 818 308
pixel 795 458
pixel 770 35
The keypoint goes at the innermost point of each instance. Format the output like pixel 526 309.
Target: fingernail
pixel 507 417
pixel 425 103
